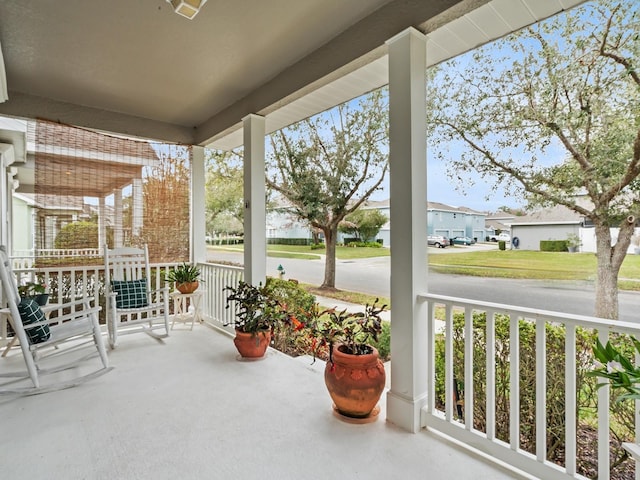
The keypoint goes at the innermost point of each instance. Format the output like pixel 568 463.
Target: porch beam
pixel 408 192
pixel 255 214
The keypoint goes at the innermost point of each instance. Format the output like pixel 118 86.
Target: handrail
pixel 462 326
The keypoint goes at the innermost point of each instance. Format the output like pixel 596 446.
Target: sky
pixel 477 193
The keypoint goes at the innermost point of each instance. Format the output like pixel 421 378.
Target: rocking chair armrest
pixel 52 307
pixel 63 318
pixel 160 292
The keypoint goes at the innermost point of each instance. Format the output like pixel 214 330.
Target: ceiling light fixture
pixel 187 8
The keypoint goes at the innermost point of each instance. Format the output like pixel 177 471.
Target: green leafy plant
pixel 573 240
pixel 292 336
pixel 613 365
pixel 30 289
pixel 255 309
pixel 184 273
pixel 354 330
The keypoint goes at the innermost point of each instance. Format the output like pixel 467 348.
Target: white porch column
pixel 408 177
pixel 6 159
pixel 12 185
pixel 118 211
pixel 138 208
pixel 102 224
pixel 255 221
pixel 198 219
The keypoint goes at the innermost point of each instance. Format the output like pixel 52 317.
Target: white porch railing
pixel 216 278
pixel 456 329
pixel 65 283
pixel 504 340
pixel 26 258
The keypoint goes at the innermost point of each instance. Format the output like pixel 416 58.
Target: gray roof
pixel 557 214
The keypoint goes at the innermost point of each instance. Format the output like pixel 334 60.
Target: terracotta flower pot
pixel 252 345
pixel 355 382
pixel 187 287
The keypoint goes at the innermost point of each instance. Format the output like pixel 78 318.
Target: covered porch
pixel 189 401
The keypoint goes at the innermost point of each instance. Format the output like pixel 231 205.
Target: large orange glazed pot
pixel 252 345
pixel 355 382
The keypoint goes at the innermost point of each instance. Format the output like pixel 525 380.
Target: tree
pixel 224 194
pixel 555 110
pixel 328 165
pixel 365 224
pixel 78 235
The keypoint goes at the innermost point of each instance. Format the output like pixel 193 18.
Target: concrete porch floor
pixel 187 408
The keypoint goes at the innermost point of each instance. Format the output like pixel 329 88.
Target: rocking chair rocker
pixel 63 337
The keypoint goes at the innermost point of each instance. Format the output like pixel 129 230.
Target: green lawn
pixel 305 251
pixel 534 265
pixel 489 263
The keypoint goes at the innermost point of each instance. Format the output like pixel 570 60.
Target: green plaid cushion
pixel 30 312
pixel 131 294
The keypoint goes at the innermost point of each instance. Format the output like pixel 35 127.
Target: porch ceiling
pixel 137 68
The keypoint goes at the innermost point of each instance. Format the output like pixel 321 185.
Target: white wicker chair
pixel 58 346
pixel 132 305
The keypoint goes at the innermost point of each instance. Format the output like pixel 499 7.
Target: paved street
pixel 372 276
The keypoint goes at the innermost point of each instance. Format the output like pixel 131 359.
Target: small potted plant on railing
pixel 185 276
pixel 611 364
pixel 36 291
pixel 573 242
pixel 354 374
pixel 256 314
pixel 635 241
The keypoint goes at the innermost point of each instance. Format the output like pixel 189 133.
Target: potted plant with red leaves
pixel 256 314
pixel 354 373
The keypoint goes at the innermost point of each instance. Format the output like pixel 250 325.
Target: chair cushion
pixel 131 294
pixel 30 312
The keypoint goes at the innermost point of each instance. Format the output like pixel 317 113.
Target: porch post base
pixel 405 412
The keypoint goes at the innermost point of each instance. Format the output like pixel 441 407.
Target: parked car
pixel 462 241
pixel 437 241
pixel 502 236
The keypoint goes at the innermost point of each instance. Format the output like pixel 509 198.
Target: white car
pixel 502 236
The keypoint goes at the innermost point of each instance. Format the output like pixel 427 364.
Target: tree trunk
pixel 330 237
pixel 610 260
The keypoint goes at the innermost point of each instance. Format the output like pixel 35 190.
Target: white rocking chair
pixel 132 306
pixel 61 341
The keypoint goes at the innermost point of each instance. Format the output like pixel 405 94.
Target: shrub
pixel 621 412
pixel 78 235
pixel 357 243
pixel 288 241
pixel 294 339
pixel 553 246
pixel 384 342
